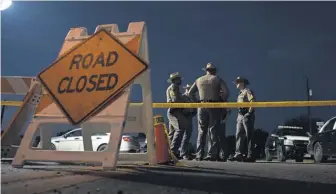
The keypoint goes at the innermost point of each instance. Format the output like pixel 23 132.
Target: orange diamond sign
pixel 89 75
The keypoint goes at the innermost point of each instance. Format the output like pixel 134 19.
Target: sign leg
pixel 46 134
pixel 25 146
pixel 112 152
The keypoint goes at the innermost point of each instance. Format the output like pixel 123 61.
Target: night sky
pixel 274 44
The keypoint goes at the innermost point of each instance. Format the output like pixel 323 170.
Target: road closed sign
pixel 87 76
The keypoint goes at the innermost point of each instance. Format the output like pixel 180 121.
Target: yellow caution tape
pixel 221 104
pixel 11 103
pixel 158 119
pixel 246 104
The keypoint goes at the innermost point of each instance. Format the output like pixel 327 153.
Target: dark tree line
pixel 303 121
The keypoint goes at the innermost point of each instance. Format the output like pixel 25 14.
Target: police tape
pixel 246 104
pixel 222 104
pixel 158 119
pixel 11 103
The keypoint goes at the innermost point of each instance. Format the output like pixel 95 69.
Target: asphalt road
pixel 191 177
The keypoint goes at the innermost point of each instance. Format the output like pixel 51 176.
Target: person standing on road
pixel 189 113
pixel 245 121
pixel 223 151
pixel 177 120
pixel 208 87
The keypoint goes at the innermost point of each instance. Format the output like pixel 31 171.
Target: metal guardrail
pixel 222 105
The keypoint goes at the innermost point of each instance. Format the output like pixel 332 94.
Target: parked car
pixel 322 145
pixel 144 148
pixel 73 141
pixel 141 138
pixel 287 142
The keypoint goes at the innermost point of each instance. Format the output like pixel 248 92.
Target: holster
pixel 174 110
pixel 242 111
pixel 224 114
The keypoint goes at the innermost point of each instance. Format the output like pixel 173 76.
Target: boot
pixel 236 157
pixel 249 158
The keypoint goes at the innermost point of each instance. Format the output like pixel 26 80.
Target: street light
pixel 309 96
pixel 4 4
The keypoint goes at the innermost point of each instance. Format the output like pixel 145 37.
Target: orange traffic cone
pixel 161 141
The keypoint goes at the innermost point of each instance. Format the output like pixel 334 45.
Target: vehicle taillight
pixel 127 139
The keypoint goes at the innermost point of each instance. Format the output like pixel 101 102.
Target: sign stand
pixel 111 118
pixel 10 139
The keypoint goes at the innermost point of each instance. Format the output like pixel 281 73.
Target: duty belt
pixel 243 111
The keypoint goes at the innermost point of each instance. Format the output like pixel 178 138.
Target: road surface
pixel 196 178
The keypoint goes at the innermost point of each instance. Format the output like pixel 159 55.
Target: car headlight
pixel 288 142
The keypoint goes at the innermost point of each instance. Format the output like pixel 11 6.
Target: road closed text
pixel 90 82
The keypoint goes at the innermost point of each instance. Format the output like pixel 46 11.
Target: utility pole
pixel 309 95
pixel 2 113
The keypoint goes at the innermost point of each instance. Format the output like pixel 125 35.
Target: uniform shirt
pixel 173 95
pixel 245 95
pixel 209 87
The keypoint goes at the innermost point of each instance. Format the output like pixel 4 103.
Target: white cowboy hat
pixel 209 66
pixel 187 86
pixel 173 76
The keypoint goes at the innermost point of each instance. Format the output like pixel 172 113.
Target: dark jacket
pixel 224 111
pixel 190 112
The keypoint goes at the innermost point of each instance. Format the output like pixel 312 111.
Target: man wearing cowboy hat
pixel 177 120
pixel 245 121
pixel 189 113
pixel 209 87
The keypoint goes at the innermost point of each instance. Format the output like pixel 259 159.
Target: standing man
pixel 177 120
pixel 209 87
pixel 189 113
pixel 223 151
pixel 245 121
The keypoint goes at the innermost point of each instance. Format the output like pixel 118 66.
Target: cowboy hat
pixel 209 66
pixel 187 86
pixel 241 80
pixel 174 76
